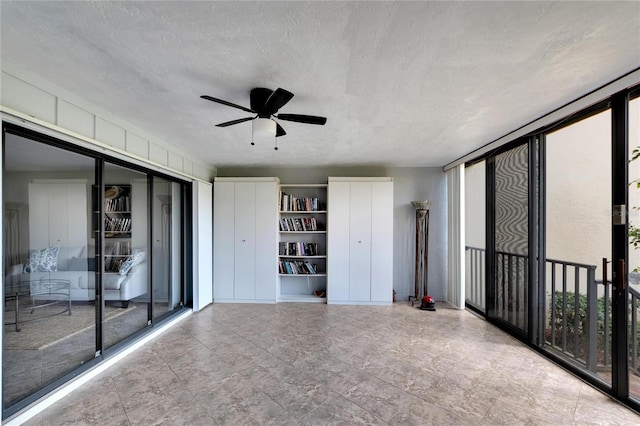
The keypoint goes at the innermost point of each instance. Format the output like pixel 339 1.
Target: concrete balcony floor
pixel 322 364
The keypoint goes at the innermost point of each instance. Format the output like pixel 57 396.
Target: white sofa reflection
pixel 79 269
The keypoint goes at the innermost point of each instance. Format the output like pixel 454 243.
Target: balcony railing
pixel 578 306
pixel 475 276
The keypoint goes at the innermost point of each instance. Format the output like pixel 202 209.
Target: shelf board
pixel 304 298
pixel 303 275
pixel 302 211
pixel 304 185
pixel 318 256
pixel 303 232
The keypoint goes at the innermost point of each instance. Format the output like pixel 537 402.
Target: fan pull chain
pixel 275 141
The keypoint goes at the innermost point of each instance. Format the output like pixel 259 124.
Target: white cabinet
pixel 245 240
pixel 360 241
pixel 58 217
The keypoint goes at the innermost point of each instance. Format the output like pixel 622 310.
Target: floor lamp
pixel 422 250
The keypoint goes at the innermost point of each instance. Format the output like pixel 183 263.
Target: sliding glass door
pixel 508 255
pixel 125 263
pixel 578 266
pixel 166 237
pixel 48 310
pixel 93 255
pixel 562 242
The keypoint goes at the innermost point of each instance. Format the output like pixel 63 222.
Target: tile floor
pixel 318 364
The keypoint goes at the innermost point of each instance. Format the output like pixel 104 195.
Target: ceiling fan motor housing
pixel 258 98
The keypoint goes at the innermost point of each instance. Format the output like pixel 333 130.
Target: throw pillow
pixel 42 260
pixel 131 261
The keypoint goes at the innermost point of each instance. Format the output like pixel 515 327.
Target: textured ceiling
pixel 401 83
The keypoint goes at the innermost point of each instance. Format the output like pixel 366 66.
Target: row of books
pixel 119 248
pixel 122 204
pixel 122 224
pixel 298 249
pixel 112 264
pixel 300 224
pixel 291 267
pixel 290 203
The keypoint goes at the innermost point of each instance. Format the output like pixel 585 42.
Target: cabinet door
pixel 223 240
pixel 38 216
pixel 360 242
pixel 266 246
pixel 338 242
pixel 245 245
pixel 58 215
pixel 77 216
pixel 382 242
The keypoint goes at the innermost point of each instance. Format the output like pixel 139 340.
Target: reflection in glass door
pixel 48 310
pixel 167 225
pixel 125 256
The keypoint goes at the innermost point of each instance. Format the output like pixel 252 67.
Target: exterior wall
pixel 579 192
pixel 410 184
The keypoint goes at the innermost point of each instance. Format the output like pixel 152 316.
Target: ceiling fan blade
pixel 277 100
pixel 258 97
pixel 299 118
pixel 232 122
pixel 220 101
pixel 279 131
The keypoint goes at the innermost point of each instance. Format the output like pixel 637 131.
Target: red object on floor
pixel 428 304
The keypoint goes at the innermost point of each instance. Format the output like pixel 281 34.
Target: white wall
pixel 410 184
pixel 202 245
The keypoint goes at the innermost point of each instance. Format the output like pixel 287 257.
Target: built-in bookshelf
pixel 117 226
pixel 302 248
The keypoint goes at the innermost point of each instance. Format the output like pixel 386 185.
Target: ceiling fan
pixel 265 103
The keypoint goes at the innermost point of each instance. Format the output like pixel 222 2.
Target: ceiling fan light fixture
pixel 264 128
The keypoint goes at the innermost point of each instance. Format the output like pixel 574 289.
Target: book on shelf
pixel 117 224
pixel 305 204
pixel 304 224
pixel 298 248
pixel 297 267
pixel 122 204
pixel 118 248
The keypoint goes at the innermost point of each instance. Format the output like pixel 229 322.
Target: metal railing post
pixel 592 319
